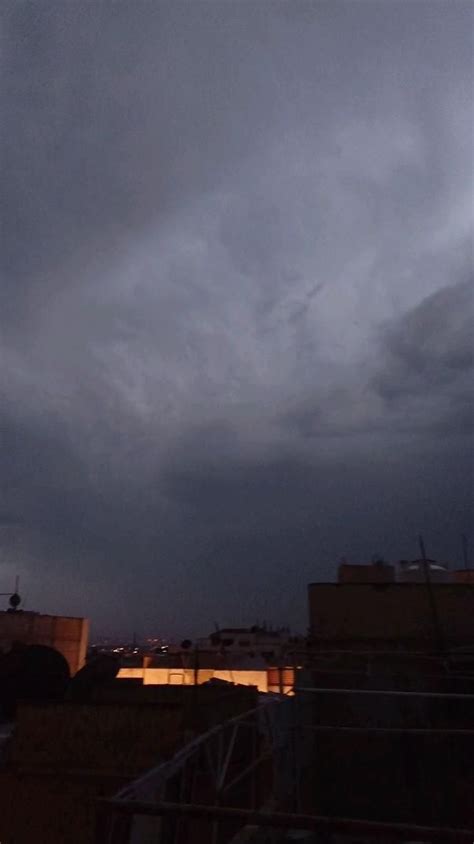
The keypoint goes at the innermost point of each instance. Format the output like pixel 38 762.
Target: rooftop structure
pixel 402 615
pixel 405 571
pixel 67 635
pixel 254 641
pixel 275 772
pixel 415 571
pixel 463 576
pixel 378 572
pixel 63 757
pixel 195 667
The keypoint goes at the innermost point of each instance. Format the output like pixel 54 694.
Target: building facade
pixel 67 635
pixel 391 615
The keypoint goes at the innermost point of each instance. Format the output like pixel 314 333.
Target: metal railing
pixel 241 780
pixel 235 763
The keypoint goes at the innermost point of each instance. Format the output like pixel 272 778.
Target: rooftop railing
pixel 242 781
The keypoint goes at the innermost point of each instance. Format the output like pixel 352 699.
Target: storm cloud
pixel 237 301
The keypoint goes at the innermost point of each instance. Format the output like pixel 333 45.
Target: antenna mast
pixel 465 551
pixel 438 636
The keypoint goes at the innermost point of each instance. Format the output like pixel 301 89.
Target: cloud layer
pixel 236 301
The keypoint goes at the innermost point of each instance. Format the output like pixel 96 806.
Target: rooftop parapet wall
pixel 66 634
pixel 390 613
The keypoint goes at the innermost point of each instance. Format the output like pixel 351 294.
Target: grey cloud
pixel 234 535
pixel 231 324
pixel 421 379
pixel 428 358
pixel 432 344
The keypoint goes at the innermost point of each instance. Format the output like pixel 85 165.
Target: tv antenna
pixel 14 597
pixel 465 551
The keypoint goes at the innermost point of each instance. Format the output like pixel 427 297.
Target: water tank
pixel 414 572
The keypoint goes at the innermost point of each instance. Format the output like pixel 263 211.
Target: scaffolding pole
pixel 281 820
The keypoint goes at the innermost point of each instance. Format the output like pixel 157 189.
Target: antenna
pixel 14 598
pixel 465 551
pixel 438 637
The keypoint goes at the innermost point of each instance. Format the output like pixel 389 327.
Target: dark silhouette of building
pixel 391 615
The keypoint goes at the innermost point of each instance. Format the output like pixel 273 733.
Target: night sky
pixel 237 301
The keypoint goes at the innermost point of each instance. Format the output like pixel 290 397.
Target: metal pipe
pixel 464 552
pixel 250 767
pixel 386 692
pixel 326 728
pixel 437 632
pixel 280 820
pixel 170 766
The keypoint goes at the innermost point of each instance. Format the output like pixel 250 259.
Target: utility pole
pixel 465 551
pixel 437 632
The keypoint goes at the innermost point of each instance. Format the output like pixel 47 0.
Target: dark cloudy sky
pixel 236 270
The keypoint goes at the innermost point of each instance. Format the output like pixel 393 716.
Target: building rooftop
pixel 202 659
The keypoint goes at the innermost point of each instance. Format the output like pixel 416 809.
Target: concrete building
pixel 463 576
pixel 67 635
pixel 255 656
pixel 255 641
pixel 378 572
pixel 406 571
pixel 62 757
pixel 390 615
pixel 189 668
